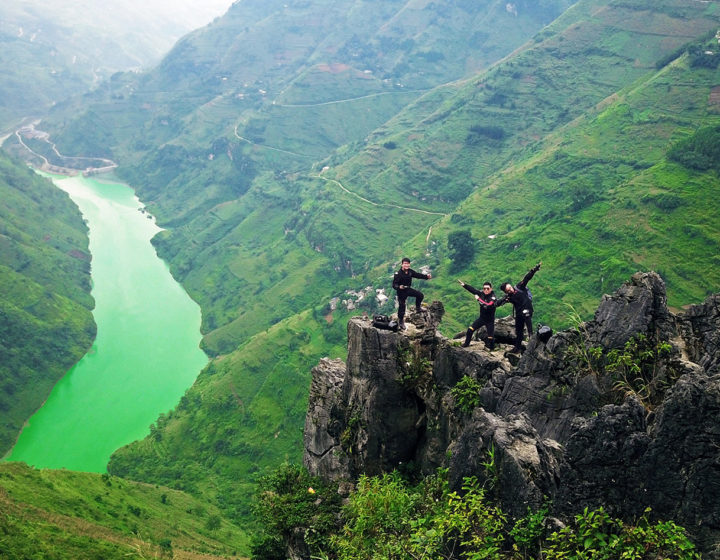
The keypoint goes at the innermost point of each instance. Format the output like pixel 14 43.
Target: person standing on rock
pixel 521 298
pixel 402 282
pixel 487 300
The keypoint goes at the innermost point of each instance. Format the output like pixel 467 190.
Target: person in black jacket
pixel 487 300
pixel 522 305
pixel 402 280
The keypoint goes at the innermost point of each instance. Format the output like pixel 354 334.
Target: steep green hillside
pixel 560 153
pixel 69 515
pixel 557 153
pixel 601 198
pixel 210 139
pixel 359 213
pixel 486 141
pixel 330 73
pixel 46 323
pixel 298 77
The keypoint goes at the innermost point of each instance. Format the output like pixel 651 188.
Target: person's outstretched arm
pixel 530 274
pixel 470 289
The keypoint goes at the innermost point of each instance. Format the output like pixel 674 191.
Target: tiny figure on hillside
pixel 487 300
pixel 402 282
pixel 521 298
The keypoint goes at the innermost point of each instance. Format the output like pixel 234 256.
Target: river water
pixel 146 354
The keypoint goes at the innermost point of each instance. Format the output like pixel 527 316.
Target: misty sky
pixel 191 13
pixel 141 30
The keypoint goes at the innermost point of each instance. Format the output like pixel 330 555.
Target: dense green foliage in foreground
pixel 387 517
pixel 69 516
pixel 46 323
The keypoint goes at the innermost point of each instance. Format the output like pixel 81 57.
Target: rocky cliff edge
pixel 622 411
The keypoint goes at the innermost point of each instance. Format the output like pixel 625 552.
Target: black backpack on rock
pixel 384 322
pixel 544 333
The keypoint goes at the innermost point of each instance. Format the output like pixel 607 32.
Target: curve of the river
pixel 145 356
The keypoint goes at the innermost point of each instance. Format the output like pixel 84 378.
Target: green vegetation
pixel 641 368
pixel 289 499
pixel 243 416
pixel 413 365
pixel 69 515
pixel 461 248
pixel 388 517
pixel 466 393
pixel 46 323
pixel 579 179
pixel 700 152
pixel 286 175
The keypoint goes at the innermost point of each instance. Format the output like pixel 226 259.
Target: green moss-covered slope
pixel 46 323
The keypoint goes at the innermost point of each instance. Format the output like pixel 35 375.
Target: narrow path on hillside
pixel 268 147
pixel 379 204
pixel 33 152
pixel 348 100
pixel 48 166
pixel 338 183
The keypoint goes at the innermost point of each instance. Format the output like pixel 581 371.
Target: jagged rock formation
pixel 622 411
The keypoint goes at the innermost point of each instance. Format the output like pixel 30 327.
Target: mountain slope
pixel 575 153
pixel 544 152
pixel 484 141
pixel 45 305
pixel 209 152
pixel 236 80
pixel 67 515
pixel 374 196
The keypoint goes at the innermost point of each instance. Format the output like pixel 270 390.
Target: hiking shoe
pixel 402 326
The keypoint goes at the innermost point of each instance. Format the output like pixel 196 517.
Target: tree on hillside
pixel 461 248
pixel 701 151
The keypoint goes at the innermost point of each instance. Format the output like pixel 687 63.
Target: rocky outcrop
pixel 622 411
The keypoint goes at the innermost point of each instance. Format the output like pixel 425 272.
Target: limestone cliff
pixel 622 411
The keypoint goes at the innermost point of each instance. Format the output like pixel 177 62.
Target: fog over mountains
pixel 49 50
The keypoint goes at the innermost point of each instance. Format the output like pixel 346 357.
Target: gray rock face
pixel 569 421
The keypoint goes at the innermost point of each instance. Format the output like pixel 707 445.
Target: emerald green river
pixel 145 356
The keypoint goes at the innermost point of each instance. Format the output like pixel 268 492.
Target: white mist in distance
pixel 131 34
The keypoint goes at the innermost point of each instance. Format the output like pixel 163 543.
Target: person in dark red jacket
pixel 402 282
pixel 487 300
pixel 519 296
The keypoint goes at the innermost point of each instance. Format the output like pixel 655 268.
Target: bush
pixel 291 502
pixel 491 132
pixel 701 151
pixel 461 248
pixel 595 535
pixel 466 394
pixel 388 518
